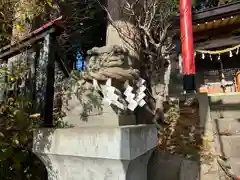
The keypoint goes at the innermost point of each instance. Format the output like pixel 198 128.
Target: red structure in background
pixel 187 37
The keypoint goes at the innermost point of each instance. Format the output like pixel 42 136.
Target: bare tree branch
pixel 163 35
pixel 151 19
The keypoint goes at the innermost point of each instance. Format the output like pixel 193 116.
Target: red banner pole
pixel 187 37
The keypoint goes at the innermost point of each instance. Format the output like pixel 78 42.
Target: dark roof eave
pixel 11 50
pixel 223 11
pixel 50 27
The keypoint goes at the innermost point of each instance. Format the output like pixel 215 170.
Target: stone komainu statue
pixel 110 62
pixel 103 63
pixel 82 99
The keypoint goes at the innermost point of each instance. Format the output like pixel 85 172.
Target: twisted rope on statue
pixel 117 73
pixel 110 62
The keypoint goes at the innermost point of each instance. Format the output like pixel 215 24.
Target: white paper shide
pixel 133 99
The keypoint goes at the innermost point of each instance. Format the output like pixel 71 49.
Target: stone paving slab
pixel 225 99
pixel 225 113
pixel 226 126
pixel 228 146
pixel 235 164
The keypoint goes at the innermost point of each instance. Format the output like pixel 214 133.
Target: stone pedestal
pixel 92 112
pixel 96 153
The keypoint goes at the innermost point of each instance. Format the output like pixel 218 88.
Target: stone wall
pixel 163 166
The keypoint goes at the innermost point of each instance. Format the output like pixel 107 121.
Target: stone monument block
pixel 96 153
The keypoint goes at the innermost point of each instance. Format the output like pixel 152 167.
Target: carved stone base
pixel 100 153
pixel 97 115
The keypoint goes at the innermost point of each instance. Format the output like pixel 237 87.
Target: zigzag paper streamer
pixel 109 95
pixel 130 98
pixel 140 93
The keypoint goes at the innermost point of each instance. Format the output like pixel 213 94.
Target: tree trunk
pixel 21 28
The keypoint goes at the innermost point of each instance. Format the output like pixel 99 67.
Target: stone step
pixel 235 165
pixel 225 106
pixel 233 98
pixel 225 112
pixel 226 126
pixel 234 168
pixel 228 146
